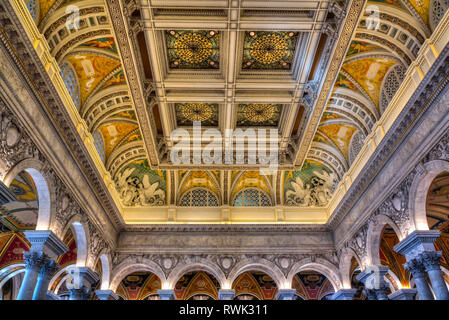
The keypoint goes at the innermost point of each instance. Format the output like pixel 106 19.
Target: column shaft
pixel 33 262
pixel 417 270
pixel 431 261
pixel 45 275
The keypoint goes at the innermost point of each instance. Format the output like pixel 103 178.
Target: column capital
pixel 431 260
pixel 403 294
pixel 46 242
pixel 415 267
pixel 416 242
pixel 85 276
pixel 106 295
pixel 344 294
pixel 34 260
pixel 48 269
pixel 373 276
pixel 286 294
pixel 166 294
pixel 226 294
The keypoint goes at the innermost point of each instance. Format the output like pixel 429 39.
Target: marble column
pixel 166 294
pixel 286 294
pixel 47 271
pixel 403 294
pixel 416 268
pixel 344 294
pixel 431 261
pixel 373 277
pixel 83 279
pixel 419 251
pixel 227 294
pixel 33 264
pixel 45 247
pixel 106 295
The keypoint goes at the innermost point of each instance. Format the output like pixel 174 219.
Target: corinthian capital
pixel 34 260
pixel 430 260
pixel 48 269
pixel 416 267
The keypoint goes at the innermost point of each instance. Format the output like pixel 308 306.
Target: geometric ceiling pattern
pixel 250 75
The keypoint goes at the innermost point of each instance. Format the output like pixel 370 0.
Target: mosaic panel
pixel 193 49
pixel 187 113
pixel 268 50
pixel 258 115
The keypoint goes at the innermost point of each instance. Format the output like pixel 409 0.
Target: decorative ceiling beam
pixel 133 77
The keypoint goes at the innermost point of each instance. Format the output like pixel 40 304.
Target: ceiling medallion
pixel 193 49
pixel 259 112
pixel 269 50
pixel 197 111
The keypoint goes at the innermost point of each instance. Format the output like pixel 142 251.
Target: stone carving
pixel 316 193
pixel 136 191
pixel 358 242
pixel 167 263
pixel 310 93
pixel 395 206
pixel 65 209
pixel 15 145
pixel 431 259
pixel 440 151
pixel 96 244
pixel 337 10
pixel 34 260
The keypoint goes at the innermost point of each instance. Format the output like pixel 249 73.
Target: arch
pixel 345 266
pixel 393 280
pixel 17 278
pixel 207 198
pixel 418 193
pixel 261 265
pixel 374 234
pixel 10 272
pixel 61 282
pixel 45 193
pixel 240 182
pixel 252 197
pixel 319 265
pixel 129 266
pixel 56 276
pixel 203 265
pixel 356 145
pixel 105 260
pixel 390 85
pixel 81 238
pixel 186 185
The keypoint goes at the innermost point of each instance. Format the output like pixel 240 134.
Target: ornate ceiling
pixel 321 73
